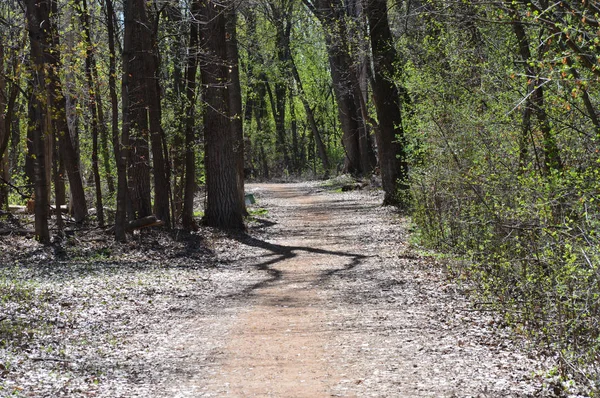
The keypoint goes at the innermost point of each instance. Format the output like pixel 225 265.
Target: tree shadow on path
pixel 283 253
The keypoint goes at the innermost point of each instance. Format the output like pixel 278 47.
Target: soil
pixel 322 297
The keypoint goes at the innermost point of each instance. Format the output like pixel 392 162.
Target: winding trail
pixel 281 346
pixel 345 309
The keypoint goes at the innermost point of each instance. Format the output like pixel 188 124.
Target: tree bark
pixel 137 60
pixel 120 144
pixel 235 99
pixel 37 12
pixel 58 115
pixel 142 115
pixel 388 133
pixel 93 107
pixel 535 99
pixel 332 16
pixel 223 207
pixel 190 95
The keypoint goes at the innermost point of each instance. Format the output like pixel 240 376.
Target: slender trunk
pixel 389 133
pixel 535 99
pixel 60 126
pixel 120 144
pixel 179 147
pixel 59 189
pixel 37 12
pixel 93 107
pixel 4 133
pixel 190 95
pixel 160 160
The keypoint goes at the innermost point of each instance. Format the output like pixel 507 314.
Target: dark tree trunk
pixel 235 99
pixel 120 144
pixel 535 100
pixel 57 106
pixel 137 69
pixel 190 95
pixel 93 107
pixel 60 125
pixel 160 159
pixel 281 15
pixel 95 95
pixel 142 115
pixel 37 12
pixel 59 189
pixel 332 16
pixel 8 98
pixel 179 148
pixel 389 133
pixel 223 207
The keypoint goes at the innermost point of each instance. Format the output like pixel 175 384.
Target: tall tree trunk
pixel 96 99
pixel 235 99
pixel 37 12
pixel 58 114
pixel 190 106
pixel 59 188
pixel 141 114
pixel 160 159
pixel 93 106
pixel 136 61
pixel 179 147
pixel 535 98
pixel 389 133
pixel 120 144
pixel 223 207
pixel 332 15
pixel 5 124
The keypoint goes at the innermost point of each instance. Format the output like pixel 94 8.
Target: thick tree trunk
pixel 235 99
pixel 332 16
pixel 389 133
pixel 137 70
pixel 142 115
pixel 223 207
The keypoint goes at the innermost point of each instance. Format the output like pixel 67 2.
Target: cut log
pixel 17 209
pixel 145 222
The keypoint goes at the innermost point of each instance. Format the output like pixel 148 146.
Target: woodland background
pixel 480 118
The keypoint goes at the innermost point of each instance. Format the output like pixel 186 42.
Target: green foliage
pixel 483 189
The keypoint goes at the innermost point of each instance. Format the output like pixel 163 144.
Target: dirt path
pixel 281 346
pixel 345 311
pixel 322 297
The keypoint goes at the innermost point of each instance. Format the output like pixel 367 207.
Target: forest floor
pixel 322 297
